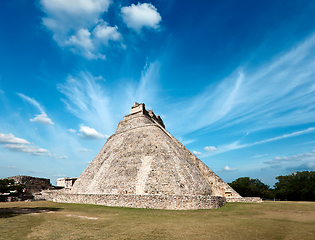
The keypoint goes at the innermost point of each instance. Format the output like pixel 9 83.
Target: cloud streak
pixel 97 105
pixel 40 118
pixel 237 145
pixel 293 158
pixel 247 100
pixel 33 150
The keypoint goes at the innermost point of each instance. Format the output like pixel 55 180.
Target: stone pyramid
pixel 143 159
pixel 143 166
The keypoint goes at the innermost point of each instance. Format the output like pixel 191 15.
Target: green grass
pixel 47 220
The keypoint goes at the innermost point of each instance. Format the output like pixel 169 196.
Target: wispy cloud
pixel 33 150
pixel 308 166
pixel 31 101
pixel 72 130
pixel 40 118
pixel 237 145
pixel 16 144
pixel 89 101
pixel 84 150
pixel 246 98
pixel 97 105
pixel 312 129
pixel 292 158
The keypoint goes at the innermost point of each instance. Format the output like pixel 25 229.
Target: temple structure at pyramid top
pixel 143 166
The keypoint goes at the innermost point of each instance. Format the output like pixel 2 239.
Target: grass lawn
pixel 48 220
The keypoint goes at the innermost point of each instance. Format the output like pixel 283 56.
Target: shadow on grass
pixel 15 211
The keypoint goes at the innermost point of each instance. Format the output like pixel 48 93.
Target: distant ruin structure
pixel 143 166
pixel 32 184
pixel 65 182
pixel 33 187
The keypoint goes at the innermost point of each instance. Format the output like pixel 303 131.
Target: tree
pixel 298 186
pixel 249 187
pixel 7 185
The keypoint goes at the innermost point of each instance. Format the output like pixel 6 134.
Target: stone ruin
pixel 143 166
pixel 33 187
pixel 65 182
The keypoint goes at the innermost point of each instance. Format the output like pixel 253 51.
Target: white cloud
pixel 90 133
pixel 99 78
pixel 66 15
pixel 40 118
pixel 81 39
pixel 142 15
pixel 56 156
pixel 43 119
pixel 1 91
pixel 84 150
pixel 71 130
pixel 197 153
pixel 292 158
pixel 105 33
pixel 72 23
pixel 210 149
pixel 186 141
pixel 88 100
pixel 97 104
pixel 228 169
pixel 10 138
pixel 21 145
pixel 34 150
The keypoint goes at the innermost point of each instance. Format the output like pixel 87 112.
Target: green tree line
pixel 298 186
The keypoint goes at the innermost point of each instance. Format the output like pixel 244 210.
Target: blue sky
pixel 234 81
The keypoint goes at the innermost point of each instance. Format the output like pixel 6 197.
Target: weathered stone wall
pixel 219 187
pixel 144 161
pixel 171 202
pixel 244 199
pixel 65 182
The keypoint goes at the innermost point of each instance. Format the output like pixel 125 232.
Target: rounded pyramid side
pixel 141 160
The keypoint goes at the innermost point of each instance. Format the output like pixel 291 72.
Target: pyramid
pixel 143 166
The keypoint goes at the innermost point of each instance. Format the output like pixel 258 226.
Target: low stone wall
pixel 170 202
pixel 244 199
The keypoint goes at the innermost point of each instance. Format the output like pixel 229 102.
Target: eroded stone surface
pixel 142 165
